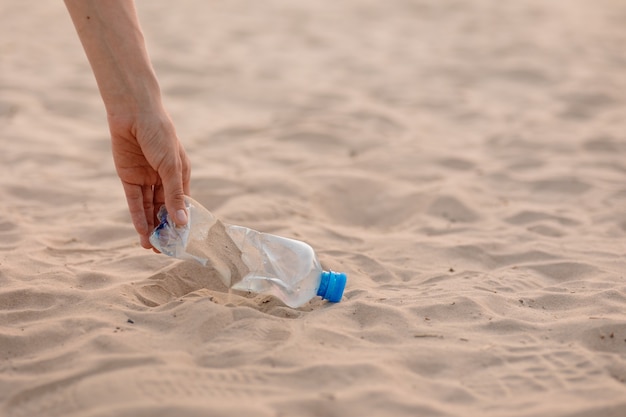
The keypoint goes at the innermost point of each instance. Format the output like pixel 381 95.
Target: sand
pixel 463 162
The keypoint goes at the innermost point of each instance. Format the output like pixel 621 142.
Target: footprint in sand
pixel 120 383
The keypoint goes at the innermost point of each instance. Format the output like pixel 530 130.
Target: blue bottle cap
pixel 332 285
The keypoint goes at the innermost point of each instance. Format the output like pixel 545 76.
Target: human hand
pixel 148 156
pixel 153 167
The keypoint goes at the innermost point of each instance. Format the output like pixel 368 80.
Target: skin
pixel 149 158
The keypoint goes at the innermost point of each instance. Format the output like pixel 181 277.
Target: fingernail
pixel 181 217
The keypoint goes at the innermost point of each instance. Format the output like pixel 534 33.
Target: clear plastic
pixel 248 260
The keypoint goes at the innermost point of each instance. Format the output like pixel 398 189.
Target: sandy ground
pixel 464 162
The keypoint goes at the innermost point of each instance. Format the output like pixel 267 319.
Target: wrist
pixel 136 95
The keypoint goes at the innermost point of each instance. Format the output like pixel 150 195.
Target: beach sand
pixel 463 162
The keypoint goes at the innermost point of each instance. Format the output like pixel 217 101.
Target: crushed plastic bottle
pixel 246 259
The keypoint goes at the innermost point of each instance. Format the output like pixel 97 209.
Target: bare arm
pixel 149 157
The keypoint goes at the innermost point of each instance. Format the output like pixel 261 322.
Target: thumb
pixel 175 199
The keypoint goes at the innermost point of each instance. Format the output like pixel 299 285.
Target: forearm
pixel 111 36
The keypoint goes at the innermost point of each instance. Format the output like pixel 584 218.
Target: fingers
pixel 155 170
pixel 159 201
pixel 135 200
pixel 158 196
pixel 148 206
pixel 186 170
pixel 172 174
pixel 167 156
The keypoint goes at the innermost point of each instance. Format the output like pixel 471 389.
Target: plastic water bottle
pixel 246 259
